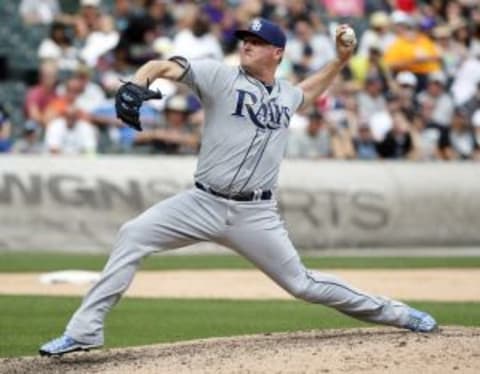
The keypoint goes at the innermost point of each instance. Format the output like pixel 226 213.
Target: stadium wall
pixel 78 204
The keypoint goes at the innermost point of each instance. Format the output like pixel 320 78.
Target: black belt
pixel 245 196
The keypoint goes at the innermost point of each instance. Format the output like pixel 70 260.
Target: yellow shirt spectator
pixel 415 53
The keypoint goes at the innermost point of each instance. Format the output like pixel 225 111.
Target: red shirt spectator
pixel 345 8
pixel 39 97
pixel 408 6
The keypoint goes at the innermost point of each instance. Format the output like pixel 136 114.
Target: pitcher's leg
pixel 163 226
pixel 272 252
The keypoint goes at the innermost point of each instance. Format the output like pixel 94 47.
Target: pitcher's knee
pixel 300 290
pixel 130 233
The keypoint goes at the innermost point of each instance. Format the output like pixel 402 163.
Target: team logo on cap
pixel 256 25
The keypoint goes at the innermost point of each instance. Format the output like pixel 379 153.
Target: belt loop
pixel 257 194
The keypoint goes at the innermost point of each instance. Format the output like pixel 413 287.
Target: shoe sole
pixel 74 349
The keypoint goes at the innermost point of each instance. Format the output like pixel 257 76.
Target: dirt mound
pixel 369 350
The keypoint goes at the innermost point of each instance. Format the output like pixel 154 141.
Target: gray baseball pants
pixel 253 229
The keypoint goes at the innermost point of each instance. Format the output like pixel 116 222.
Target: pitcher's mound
pixel 368 350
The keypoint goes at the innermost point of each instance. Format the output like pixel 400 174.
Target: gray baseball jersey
pixel 246 127
pixel 243 142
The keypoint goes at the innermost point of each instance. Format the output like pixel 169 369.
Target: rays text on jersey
pixel 265 115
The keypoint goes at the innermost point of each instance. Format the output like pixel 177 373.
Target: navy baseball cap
pixel 265 30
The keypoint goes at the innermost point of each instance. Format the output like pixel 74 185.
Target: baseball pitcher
pixel 247 114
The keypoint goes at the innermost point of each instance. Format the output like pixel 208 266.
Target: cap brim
pixel 241 34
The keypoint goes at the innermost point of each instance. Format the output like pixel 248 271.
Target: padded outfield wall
pixel 78 204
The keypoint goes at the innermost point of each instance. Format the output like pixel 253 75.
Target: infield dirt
pixel 368 350
pixel 421 284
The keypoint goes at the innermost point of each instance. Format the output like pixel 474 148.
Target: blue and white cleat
pixel 419 321
pixel 62 345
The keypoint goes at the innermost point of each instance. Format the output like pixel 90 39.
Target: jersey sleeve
pixel 207 78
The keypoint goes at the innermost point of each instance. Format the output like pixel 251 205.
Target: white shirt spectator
pixel 428 143
pixel 322 51
pixel 369 105
pixel 90 98
pixel 380 123
pixel 66 58
pixel 39 11
pixel 466 80
pixel 303 145
pixel 79 139
pixel 100 42
pixel 443 107
pixel 191 47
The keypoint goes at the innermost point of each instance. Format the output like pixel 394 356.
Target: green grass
pixel 30 262
pixel 28 321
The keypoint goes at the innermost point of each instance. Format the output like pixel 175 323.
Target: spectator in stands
pixel 476 124
pixel 39 97
pixel 475 36
pixel 178 135
pixel 59 47
pixel 345 8
pixel 450 51
pixel 114 136
pixel 466 80
pixel 381 122
pixel 437 94
pixel 473 103
pixel 89 17
pixel 341 143
pixel 122 11
pixel 29 142
pixel 364 143
pixel 371 100
pixel 461 37
pixel 407 6
pixel 147 28
pixel 99 41
pixel 139 37
pixel 5 131
pixel 425 135
pixel 371 64
pixel 39 11
pixel 70 134
pixel 90 94
pixel 412 50
pixel 194 39
pixel 59 105
pixel 158 11
pixel 459 143
pixel 249 9
pixel 342 111
pixel 405 89
pixel 312 142
pixel 398 143
pixel 293 10
pixel 216 11
pixel 378 35
pixel 226 27
pixel 309 50
pixel 114 67
pixel 452 11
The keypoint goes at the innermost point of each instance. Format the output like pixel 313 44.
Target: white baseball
pixel 348 37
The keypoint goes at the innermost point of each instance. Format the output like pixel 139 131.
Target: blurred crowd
pixel 412 90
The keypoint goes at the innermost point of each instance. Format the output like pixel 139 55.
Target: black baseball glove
pixel 129 99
